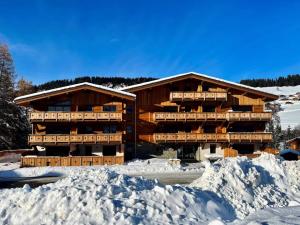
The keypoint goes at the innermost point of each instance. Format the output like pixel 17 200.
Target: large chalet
pixel 189 116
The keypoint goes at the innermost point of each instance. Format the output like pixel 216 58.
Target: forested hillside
pixel 106 81
pixel 290 80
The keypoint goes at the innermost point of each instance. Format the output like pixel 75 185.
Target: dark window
pixel 85 130
pixel 109 108
pixel 209 129
pixel 242 108
pixel 85 108
pixel 109 150
pixel 212 148
pixel 129 129
pixel 187 129
pixel 171 109
pixel 205 88
pixel 129 109
pixel 187 108
pixel 58 129
pixel 110 129
pixel 88 150
pixel 64 106
pixel 209 108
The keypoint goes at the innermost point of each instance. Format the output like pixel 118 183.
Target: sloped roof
pixel 294 139
pixel 71 88
pixel 204 77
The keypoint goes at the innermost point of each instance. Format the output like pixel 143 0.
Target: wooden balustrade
pixel 200 116
pixel 197 96
pixel 206 137
pixel 77 139
pixel 77 116
pixel 31 161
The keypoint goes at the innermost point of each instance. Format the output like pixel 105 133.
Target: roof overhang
pixel 294 139
pixel 183 76
pixel 24 100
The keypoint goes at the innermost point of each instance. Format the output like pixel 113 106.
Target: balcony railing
pixel 197 96
pixel 202 116
pixel 31 161
pixel 75 116
pixel 206 137
pixel 76 139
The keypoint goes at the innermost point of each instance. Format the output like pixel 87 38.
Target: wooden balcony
pixel 31 161
pixel 198 96
pixel 198 116
pixel 209 137
pixel 74 116
pixel 65 139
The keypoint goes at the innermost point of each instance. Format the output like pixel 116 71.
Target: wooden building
pixel 195 116
pixel 293 153
pixel 294 143
pixel 190 116
pixel 82 124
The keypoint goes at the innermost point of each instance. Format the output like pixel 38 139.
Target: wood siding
pixel 71 161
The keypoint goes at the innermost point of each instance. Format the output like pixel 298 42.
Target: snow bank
pixel 249 185
pixel 105 197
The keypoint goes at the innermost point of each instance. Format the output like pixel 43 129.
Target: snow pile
pixel 249 185
pixel 105 197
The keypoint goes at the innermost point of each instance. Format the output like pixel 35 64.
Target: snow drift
pixel 249 185
pixel 228 190
pixel 105 197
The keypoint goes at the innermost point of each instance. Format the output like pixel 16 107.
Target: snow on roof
pixel 293 139
pixel 197 74
pixel 73 86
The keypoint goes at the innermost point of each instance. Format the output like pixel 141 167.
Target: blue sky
pixel 229 39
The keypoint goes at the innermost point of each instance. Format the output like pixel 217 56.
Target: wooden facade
pixel 294 144
pixel 193 114
pixel 82 124
pixel 197 115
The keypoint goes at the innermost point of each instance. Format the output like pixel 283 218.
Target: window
pixel 85 108
pixel 242 108
pixel 171 109
pixel 109 150
pixel 188 108
pixel 212 148
pixel 209 108
pixel 109 108
pixel 129 129
pixel 110 129
pixel 129 109
pixel 209 128
pixel 64 106
pixel 82 129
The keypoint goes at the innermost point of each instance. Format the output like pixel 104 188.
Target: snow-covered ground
pixel 232 190
pixel 290 116
pixel 141 167
pixel 285 90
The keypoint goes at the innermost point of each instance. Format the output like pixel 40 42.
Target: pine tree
pixel 14 126
pixel 275 128
pixel 7 75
